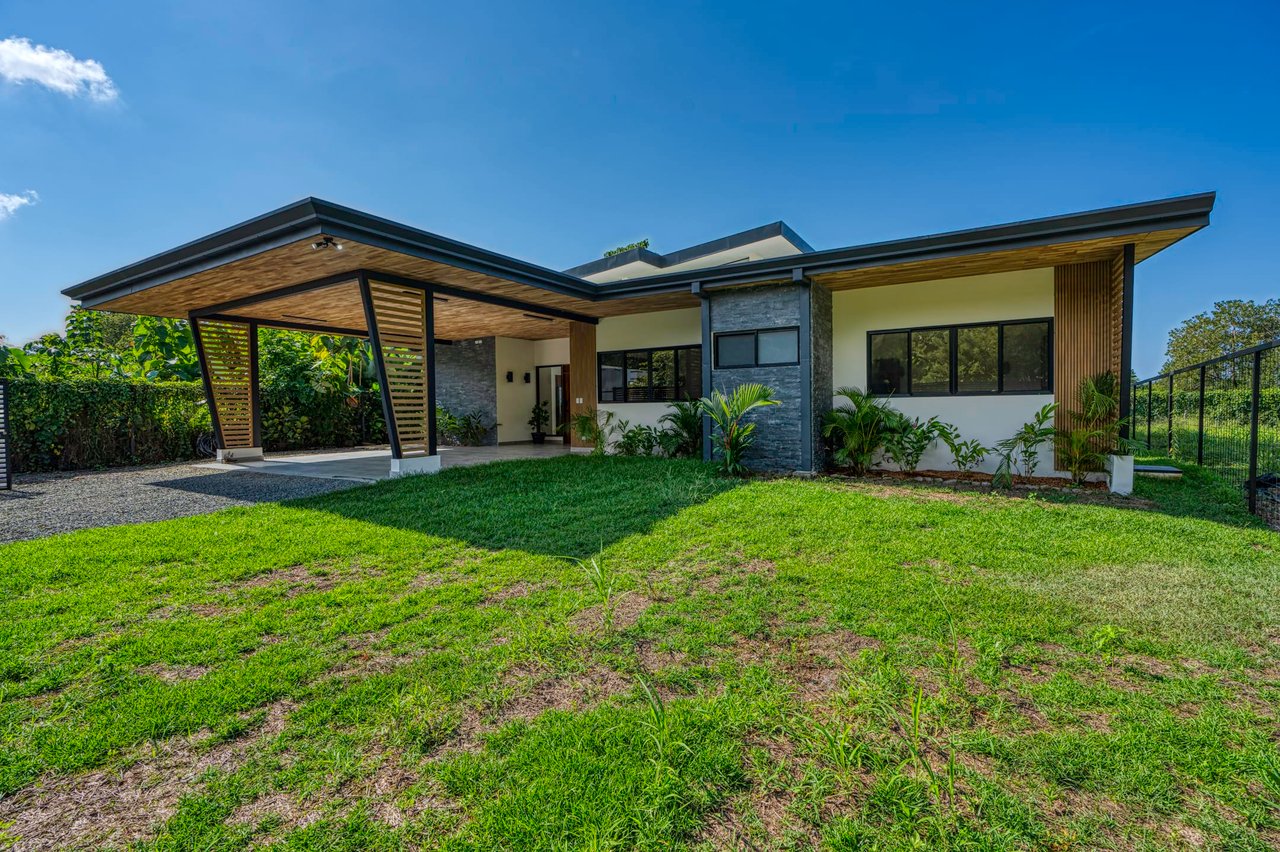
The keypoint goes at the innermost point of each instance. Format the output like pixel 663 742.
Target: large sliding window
pixel 979 358
pixel 650 375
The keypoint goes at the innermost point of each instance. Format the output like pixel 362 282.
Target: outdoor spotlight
pixel 511 377
pixel 327 242
pixel 526 378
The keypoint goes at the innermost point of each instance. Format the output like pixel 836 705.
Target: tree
pixel 639 244
pixel 1232 325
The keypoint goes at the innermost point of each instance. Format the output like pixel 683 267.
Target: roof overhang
pixel 260 269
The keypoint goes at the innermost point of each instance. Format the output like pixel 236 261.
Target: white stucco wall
pixel 980 298
pixel 515 398
pixel 681 327
pixel 549 352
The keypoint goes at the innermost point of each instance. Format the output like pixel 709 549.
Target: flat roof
pixel 684 255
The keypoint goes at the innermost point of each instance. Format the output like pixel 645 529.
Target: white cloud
pixel 9 204
pixel 24 62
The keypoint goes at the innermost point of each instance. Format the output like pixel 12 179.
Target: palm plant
pixel 1094 430
pixel 683 423
pixel 858 427
pixel 592 426
pixel 733 436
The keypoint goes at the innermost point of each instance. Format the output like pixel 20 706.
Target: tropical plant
pixel 965 455
pixel 467 430
pixel 1094 430
pixel 592 426
pixel 733 437
pixel 682 432
pixel 1021 452
pixel 540 416
pixel 907 440
pixel 637 440
pixel 858 428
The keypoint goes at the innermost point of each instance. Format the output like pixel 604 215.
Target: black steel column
pixel 1253 431
pixel 388 410
pixel 430 355
pixel 1200 426
pixel 1150 382
pixel 208 385
pixel 255 395
pixel 1126 340
pixel 707 355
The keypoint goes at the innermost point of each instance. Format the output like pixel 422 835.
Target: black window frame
pixel 954 353
pixel 678 388
pixel 755 332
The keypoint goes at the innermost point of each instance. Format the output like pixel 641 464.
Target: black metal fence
pixel 6 464
pixel 1222 414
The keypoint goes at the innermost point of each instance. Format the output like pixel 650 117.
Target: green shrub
pixel 734 436
pixel 682 429
pixel 68 424
pixel 858 428
pixel 907 440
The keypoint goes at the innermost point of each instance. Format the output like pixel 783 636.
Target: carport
pixel 319 267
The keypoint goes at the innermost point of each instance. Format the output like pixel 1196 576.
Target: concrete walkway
pixel 372 465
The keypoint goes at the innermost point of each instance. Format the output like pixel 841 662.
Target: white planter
pixel 1120 474
pixel 239 454
pixel 415 465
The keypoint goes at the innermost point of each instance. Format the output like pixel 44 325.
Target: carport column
pixel 401 323
pixel 228 353
pixel 582 373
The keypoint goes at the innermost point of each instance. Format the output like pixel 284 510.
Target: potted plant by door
pixel 538 421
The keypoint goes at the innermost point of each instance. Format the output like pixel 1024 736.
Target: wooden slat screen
pixel 1087 305
pixel 582 371
pixel 228 354
pixel 400 314
pixel 6 459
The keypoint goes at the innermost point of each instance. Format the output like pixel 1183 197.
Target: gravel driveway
pixel 44 504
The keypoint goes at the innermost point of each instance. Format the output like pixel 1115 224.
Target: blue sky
pixel 553 132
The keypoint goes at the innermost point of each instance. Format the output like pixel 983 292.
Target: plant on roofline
pixel 732 436
pixel 858 428
pixel 539 419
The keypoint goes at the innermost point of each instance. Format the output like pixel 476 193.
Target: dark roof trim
pixel 312 217
pixel 1187 211
pixel 684 255
pixel 308 218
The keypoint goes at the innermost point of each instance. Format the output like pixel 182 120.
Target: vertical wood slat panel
pixel 401 317
pixel 228 364
pixel 582 372
pixel 1086 338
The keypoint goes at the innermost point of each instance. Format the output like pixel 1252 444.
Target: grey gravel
pixel 44 504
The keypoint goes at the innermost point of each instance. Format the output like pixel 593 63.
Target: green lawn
pixel 631 653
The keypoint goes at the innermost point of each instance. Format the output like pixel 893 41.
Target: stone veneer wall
pixel 823 383
pixel 467 380
pixel 785 440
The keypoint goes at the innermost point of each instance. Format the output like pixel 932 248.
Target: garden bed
pixel 970 479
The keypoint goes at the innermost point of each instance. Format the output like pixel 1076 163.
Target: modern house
pixel 979 327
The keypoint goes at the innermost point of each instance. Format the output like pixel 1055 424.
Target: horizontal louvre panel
pixel 400 315
pixel 228 364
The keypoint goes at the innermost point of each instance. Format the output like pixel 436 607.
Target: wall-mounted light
pixel 327 242
pixel 526 378
pixel 511 377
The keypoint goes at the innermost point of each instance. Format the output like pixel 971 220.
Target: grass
pixel 634 653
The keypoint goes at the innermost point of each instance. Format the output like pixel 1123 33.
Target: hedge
pixel 73 424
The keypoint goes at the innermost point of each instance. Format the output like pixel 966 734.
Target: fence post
pixel 1150 383
pixel 1253 431
pixel 1169 406
pixel 1200 425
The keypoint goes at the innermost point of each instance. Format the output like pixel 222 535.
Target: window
pixel 761 348
pixel 650 375
pixel 981 358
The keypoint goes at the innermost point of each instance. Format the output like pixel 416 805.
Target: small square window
pixel 736 350
pixel 778 347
